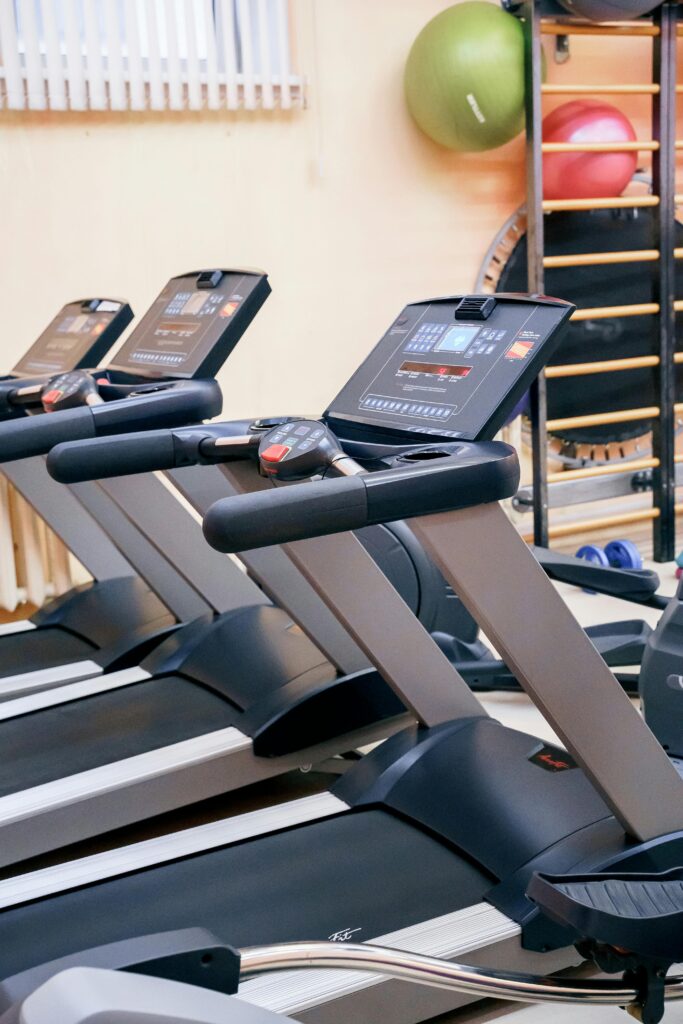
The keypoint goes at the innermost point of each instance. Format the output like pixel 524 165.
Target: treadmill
pixel 85 757
pixel 100 530
pixel 185 724
pixel 113 622
pixel 116 617
pixel 192 461
pixel 429 842
pixel 127 615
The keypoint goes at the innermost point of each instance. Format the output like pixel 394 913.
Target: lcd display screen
pixel 62 345
pixel 438 369
pixel 457 339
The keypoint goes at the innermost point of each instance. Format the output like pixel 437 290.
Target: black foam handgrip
pixel 36 435
pixel 286 514
pixel 105 457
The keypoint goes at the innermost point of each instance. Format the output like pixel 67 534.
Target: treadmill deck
pixel 39 649
pixel 366 872
pixel 63 740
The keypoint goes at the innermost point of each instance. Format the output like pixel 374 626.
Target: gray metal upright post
pixel 154 568
pixel 533 80
pixel 60 508
pixel 664 54
pixel 553 659
pixel 381 623
pixel 156 512
pixel 271 567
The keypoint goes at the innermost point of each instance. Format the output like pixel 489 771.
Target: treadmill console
pixel 193 325
pixel 451 367
pixel 80 335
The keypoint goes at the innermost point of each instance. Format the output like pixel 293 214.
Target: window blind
pixel 147 55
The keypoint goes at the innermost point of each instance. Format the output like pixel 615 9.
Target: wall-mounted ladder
pixel 659 260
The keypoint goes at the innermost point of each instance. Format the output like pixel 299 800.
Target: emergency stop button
pixel 275 453
pixel 52 396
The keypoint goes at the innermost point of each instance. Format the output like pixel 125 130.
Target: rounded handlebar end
pixel 105 457
pixel 286 514
pixel 474 474
pixel 36 435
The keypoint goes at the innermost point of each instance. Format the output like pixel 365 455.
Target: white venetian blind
pixel 147 55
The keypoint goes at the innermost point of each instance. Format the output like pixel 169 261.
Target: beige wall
pixel 347 206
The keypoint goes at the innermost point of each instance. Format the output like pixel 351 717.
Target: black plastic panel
pixel 369 873
pixel 239 658
pixel 80 335
pixel 435 375
pixel 251 652
pixel 190 329
pixel 466 781
pixel 309 711
pixel 107 612
pixel 641 914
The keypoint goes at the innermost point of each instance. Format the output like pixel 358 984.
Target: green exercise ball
pixel 464 77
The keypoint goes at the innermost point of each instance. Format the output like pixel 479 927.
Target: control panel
pixel 298 449
pixel 452 367
pixel 68 391
pixel 80 335
pixel 193 325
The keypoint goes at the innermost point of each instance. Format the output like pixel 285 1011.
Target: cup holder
pixel 270 422
pixel 427 455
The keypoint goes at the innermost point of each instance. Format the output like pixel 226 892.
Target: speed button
pixel 275 453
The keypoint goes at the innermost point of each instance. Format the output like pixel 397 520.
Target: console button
pixel 275 453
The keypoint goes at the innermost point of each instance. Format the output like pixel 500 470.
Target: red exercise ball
pixel 587 175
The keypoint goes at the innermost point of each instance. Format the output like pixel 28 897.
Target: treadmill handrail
pixel 481 982
pixel 141 451
pixel 485 472
pixel 408 966
pixel 179 402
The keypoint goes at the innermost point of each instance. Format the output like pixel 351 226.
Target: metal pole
pixel 482 982
pixel 535 275
pixel 664 184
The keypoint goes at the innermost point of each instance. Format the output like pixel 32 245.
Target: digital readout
pixel 179 329
pixel 435 369
pixel 194 303
pixel 83 324
pixel 63 344
pixel 457 339
pixel 202 304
